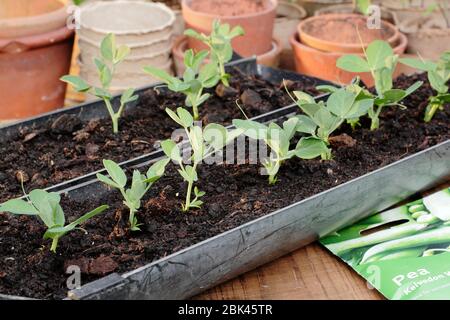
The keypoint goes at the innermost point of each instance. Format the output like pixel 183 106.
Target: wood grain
pixel 309 273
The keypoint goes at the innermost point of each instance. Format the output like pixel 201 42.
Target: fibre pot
pixel 32 63
pixel 257 21
pixel 407 9
pixel 312 6
pixel 428 36
pixel 269 59
pixel 317 63
pixel 339 32
pixel 289 16
pixel 146 27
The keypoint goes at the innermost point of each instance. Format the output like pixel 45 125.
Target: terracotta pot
pixel 407 9
pixel 270 58
pixel 350 8
pixel 258 28
pixel 31 65
pixel 428 36
pixel 338 33
pixel 21 18
pixel 313 62
pixel 289 16
pixel 312 6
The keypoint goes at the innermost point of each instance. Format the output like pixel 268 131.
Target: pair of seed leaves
pixel 46 205
pixel 381 62
pixel 195 78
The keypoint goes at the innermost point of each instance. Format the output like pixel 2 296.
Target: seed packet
pixel 405 252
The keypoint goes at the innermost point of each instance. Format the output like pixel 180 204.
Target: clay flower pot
pixel 350 8
pixel 258 25
pixel 270 58
pixel 407 9
pixel 33 56
pixel 312 6
pixel 339 33
pixel 321 64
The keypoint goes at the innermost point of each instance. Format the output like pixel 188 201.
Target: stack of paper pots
pixel 143 26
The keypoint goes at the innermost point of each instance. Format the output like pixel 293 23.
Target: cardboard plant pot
pixel 321 64
pixel 257 24
pixel 35 51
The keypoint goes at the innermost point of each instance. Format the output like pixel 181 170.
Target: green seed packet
pixel 405 252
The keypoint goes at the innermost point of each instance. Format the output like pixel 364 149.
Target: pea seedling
pixel 204 143
pixel 219 43
pixel 438 76
pixel 140 185
pixel 279 140
pixel 322 119
pixel 195 79
pixel 47 207
pixel 111 56
pixel 381 62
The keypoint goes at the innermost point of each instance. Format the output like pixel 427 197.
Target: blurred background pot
pixel 311 6
pixel 270 58
pixel 146 27
pixel 350 8
pixel 257 19
pixel 407 9
pixel 321 64
pixel 288 17
pixel 35 51
pixel 339 32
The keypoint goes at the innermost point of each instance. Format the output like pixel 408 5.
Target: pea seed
pixel 418 214
pixel 427 219
pixel 416 208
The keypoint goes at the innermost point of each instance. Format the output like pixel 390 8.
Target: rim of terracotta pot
pixel 90 8
pixel 180 46
pixel 294 6
pixel 185 5
pixel 332 46
pixel 295 42
pixel 31 25
pixel 35 41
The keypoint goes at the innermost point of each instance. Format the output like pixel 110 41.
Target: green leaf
pixel 79 84
pixel 413 88
pixel 171 150
pixel 107 47
pixel 340 102
pixel 310 148
pixel 115 172
pixel 121 53
pixel 215 135
pixel 157 170
pixel 326 88
pixel 191 173
pixel 437 82
pixel 359 109
pixel 128 96
pixel 185 117
pixel 105 77
pixel 107 181
pixel 306 125
pixel 236 32
pixel 303 98
pixel 419 64
pixel 252 129
pixel 353 63
pixel 174 116
pixel 101 93
pixel 160 74
pixel 290 127
pixel 377 52
pixel 44 203
pixel 193 34
pixel 18 206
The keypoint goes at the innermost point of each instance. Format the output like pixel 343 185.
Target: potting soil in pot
pixel 66 148
pixel 235 194
pixel 230 7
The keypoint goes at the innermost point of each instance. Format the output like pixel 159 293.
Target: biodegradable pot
pixel 32 63
pixel 350 8
pixel 146 27
pixel 428 36
pixel 311 6
pixel 258 27
pixel 317 63
pixel 407 9
pixel 289 16
pixel 269 59
pixel 339 33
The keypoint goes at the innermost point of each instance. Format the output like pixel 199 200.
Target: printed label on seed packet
pixel 404 252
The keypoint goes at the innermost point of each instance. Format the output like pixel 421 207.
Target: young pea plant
pixel 195 79
pixel 46 205
pixel 279 140
pixel 381 62
pixel 203 143
pixel 140 185
pixel 111 56
pixel 219 43
pixel 322 119
pixel 438 76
